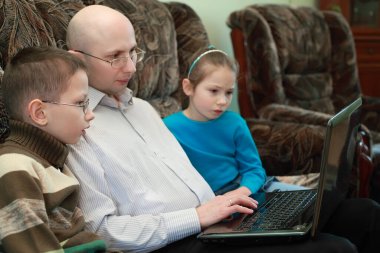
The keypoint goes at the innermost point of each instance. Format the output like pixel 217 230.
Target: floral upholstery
pixel 300 69
pixel 192 39
pixel 172 34
pixel 157 77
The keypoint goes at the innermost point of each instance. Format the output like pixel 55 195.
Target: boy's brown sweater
pixel 38 194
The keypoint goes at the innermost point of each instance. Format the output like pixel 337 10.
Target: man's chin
pixel 121 90
pixel 116 91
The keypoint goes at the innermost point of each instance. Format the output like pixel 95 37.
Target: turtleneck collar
pixel 39 142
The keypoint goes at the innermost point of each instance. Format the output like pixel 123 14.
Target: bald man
pixel 139 191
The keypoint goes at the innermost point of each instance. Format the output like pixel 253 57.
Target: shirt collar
pixel 98 97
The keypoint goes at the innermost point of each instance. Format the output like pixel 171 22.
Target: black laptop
pixel 296 215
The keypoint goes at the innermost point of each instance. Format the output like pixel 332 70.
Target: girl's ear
pixel 187 87
pixel 36 111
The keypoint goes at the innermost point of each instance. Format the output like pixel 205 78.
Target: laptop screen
pixel 337 160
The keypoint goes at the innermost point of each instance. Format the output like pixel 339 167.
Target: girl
pixel 218 142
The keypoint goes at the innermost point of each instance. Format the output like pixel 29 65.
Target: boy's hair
pixel 211 56
pixel 37 72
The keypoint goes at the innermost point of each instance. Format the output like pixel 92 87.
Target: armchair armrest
pixel 363 163
pixel 370 116
pixel 288 148
pixel 292 114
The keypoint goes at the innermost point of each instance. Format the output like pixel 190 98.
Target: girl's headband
pixel 200 56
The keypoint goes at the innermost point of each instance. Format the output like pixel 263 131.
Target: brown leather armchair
pixel 297 68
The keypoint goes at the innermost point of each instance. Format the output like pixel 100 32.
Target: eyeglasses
pixel 83 104
pixel 136 56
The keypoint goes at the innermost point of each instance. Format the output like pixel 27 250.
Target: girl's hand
pixel 239 191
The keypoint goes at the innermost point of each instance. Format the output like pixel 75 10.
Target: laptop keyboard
pixel 279 212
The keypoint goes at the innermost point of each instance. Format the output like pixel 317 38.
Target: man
pixel 138 189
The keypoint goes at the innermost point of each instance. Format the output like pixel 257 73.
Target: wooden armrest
pixel 246 106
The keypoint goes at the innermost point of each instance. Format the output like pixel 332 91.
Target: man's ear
pixel 36 111
pixel 187 87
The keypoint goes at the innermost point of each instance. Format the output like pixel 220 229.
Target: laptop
pixel 312 207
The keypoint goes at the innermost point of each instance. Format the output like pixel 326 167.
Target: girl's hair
pixel 211 56
pixel 37 72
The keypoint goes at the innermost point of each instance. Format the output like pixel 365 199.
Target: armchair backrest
pixel 301 57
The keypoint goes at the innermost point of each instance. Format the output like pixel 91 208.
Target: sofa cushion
pixel 156 78
pixel 33 23
pixel 56 16
pixel 309 91
pixel 4 121
pixel 303 44
pixel 301 36
pixel 192 39
pixel 288 54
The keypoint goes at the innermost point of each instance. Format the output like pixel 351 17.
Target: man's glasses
pixel 136 56
pixel 83 104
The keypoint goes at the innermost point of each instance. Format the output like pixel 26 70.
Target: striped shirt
pixel 138 188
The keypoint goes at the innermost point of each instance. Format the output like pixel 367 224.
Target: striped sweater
pixel 38 195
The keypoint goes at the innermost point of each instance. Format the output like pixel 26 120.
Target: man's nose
pixel 129 66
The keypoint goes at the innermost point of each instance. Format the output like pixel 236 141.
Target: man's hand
pixel 223 206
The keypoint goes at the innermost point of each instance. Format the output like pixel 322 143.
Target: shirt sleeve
pixel 250 168
pixel 135 233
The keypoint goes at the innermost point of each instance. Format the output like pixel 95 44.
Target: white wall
pixel 214 14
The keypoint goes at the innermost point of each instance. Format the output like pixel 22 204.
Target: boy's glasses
pixel 136 56
pixel 83 104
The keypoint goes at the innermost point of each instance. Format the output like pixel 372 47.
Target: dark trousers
pixel 353 227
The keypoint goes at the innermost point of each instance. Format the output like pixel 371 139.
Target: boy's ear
pixel 187 87
pixel 36 111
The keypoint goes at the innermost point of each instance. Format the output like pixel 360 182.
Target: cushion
pixel 192 39
pixel 4 121
pixel 33 23
pixel 301 36
pixel 309 91
pixel 288 53
pixel 156 77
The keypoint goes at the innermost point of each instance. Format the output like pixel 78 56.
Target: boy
pixel 45 96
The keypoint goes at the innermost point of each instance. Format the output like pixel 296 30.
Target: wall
pixel 214 14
